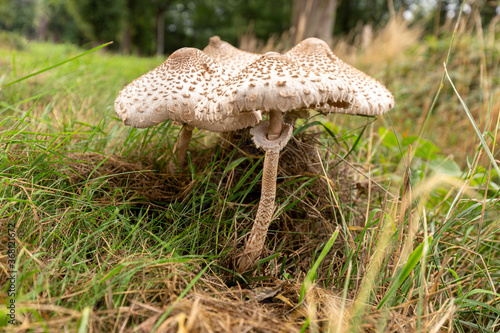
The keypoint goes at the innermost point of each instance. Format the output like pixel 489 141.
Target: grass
pixel 108 241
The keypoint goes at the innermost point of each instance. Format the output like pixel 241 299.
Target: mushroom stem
pixel 275 124
pixel 181 146
pixel 255 242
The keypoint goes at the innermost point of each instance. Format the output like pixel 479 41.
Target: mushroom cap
pixel 229 57
pixel 273 82
pixel 172 91
pixel 372 98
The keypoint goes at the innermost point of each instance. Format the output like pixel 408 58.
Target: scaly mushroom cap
pixel 273 82
pixel 172 91
pixel 229 57
pixel 372 98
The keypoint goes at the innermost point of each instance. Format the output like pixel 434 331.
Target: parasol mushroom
pixel 172 91
pixel 372 98
pixel 272 83
pixel 229 57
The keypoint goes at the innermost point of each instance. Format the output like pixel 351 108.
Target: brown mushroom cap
pixel 229 57
pixel 172 91
pixel 372 98
pixel 273 83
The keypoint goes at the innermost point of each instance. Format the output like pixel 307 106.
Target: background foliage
pixel 140 26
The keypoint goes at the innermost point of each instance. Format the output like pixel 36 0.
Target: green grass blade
pixel 311 124
pixel 413 260
pixel 84 321
pixel 473 122
pixel 271 257
pixel 235 163
pixel 115 271
pixel 312 272
pixel 306 325
pixel 468 303
pixel 56 65
pixel 482 291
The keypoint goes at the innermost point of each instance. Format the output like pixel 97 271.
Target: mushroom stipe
pixel 181 146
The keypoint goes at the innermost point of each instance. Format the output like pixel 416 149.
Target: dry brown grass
pixel 211 306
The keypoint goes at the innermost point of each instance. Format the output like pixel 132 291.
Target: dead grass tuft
pixel 137 180
pixel 365 45
pixel 297 232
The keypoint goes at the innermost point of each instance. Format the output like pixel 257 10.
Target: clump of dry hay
pixel 142 181
pixel 138 178
pixel 219 302
pixel 297 233
pixel 210 306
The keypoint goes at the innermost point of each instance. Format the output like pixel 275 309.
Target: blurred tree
pixel 194 22
pixel 313 18
pixel 99 21
pixel 61 25
pixel 138 32
pixel 43 13
pixel 51 11
pixel 18 16
pixel 265 18
pixel 352 13
pixel 40 19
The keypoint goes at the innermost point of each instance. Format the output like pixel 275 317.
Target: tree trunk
pixel 126 42
pixel 160 34
pixel 42 28
pixel 313 18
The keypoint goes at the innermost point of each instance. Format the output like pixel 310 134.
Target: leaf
pixel 390 139
pixel 424 149
pixel 445 166
pixel 427 150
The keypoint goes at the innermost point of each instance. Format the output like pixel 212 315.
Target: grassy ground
pixel 388 224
